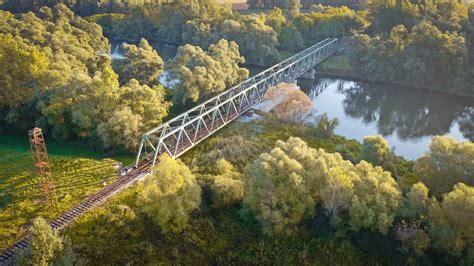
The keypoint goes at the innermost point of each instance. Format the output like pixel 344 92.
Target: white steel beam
pixel 206 118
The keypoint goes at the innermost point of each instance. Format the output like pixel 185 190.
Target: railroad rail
pixel 8 255
pixel 193 126
pixel 188 129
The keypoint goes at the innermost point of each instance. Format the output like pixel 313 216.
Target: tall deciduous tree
pixel 142 63
pixel 290 180
pixel 447 163
pixel 169 195
pixel 376 201
pixel 198 74
pixel 375 150
pixel 417 201
pixel 227 187
pixel 278 196
pixel 45 243
pixel 21 68
pixel 451 221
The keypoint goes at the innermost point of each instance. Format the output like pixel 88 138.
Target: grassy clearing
pixel 77 172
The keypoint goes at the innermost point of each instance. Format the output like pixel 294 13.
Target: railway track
pixel 7 255
pixel 133 174
pixel 180 145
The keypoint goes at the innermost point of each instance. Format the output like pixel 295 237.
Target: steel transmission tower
pixel 39 154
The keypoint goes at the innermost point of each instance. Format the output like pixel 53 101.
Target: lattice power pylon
pixel 39 154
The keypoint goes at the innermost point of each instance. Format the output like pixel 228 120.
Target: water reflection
pixel 405 116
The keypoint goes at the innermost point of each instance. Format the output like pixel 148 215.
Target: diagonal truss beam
pixel 186 130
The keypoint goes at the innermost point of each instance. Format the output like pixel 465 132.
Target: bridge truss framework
pixel 183 132
pixel 188 129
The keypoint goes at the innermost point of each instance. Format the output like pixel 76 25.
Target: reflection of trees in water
pixel 466 123
pixel 314 88
pixel 409 113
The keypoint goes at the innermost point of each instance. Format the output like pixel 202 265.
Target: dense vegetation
pixel 65 83
pixel 273 190
pixel 284 202
pixel 427 44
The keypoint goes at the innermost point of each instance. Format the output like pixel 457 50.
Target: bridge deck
pixel 188 129
pixel 191 127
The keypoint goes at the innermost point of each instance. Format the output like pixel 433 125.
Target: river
pixel 406 117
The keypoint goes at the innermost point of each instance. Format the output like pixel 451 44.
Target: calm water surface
pixel 407 118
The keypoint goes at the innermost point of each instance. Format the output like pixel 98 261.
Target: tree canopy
pixel 198 74
pixel 63 82
pixel 451 220
pixel 169 195
pixel 46 244
pixel 292 179
pixel 447 163
pixel 140 62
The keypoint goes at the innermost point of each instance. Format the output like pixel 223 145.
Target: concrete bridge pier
pixel 310 74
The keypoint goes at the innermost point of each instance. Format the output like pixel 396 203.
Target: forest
pixel 271 191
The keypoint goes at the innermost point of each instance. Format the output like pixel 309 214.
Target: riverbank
pixel 340 67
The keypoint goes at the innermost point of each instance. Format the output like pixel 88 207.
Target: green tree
pixel 169 195
pixel 278 195
pixel 332 22
pixel 275 19
pixel 447 163
pixel 198 74
pixel 294 8
pixel 376 201
pixel 417 201
pixel 80 106
pixel 290 39
pixel 45 243
pixel 328 177
pixel 98 109
pixel 142 63
pixel 21 68
pixel 149 102
pixel 450 221
pixel 257 41
pixel 375 150
pixel 337 190
pixel 122 129
pixel 227 187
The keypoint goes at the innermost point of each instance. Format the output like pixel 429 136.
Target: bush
pixel 227 188
pixel 169 194
pixel 278 196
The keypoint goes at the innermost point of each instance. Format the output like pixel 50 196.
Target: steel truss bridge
pixel 186 130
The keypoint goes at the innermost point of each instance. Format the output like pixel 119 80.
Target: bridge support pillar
pixel 310 74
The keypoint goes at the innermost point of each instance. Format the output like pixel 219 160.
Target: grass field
pixel 77 172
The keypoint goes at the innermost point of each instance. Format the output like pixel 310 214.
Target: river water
pixel 406 117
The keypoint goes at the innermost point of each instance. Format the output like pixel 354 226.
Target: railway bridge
pixel 193 126
pixel 185 131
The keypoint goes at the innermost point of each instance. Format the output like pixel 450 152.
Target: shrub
pixel 169 194
pixel 227 188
